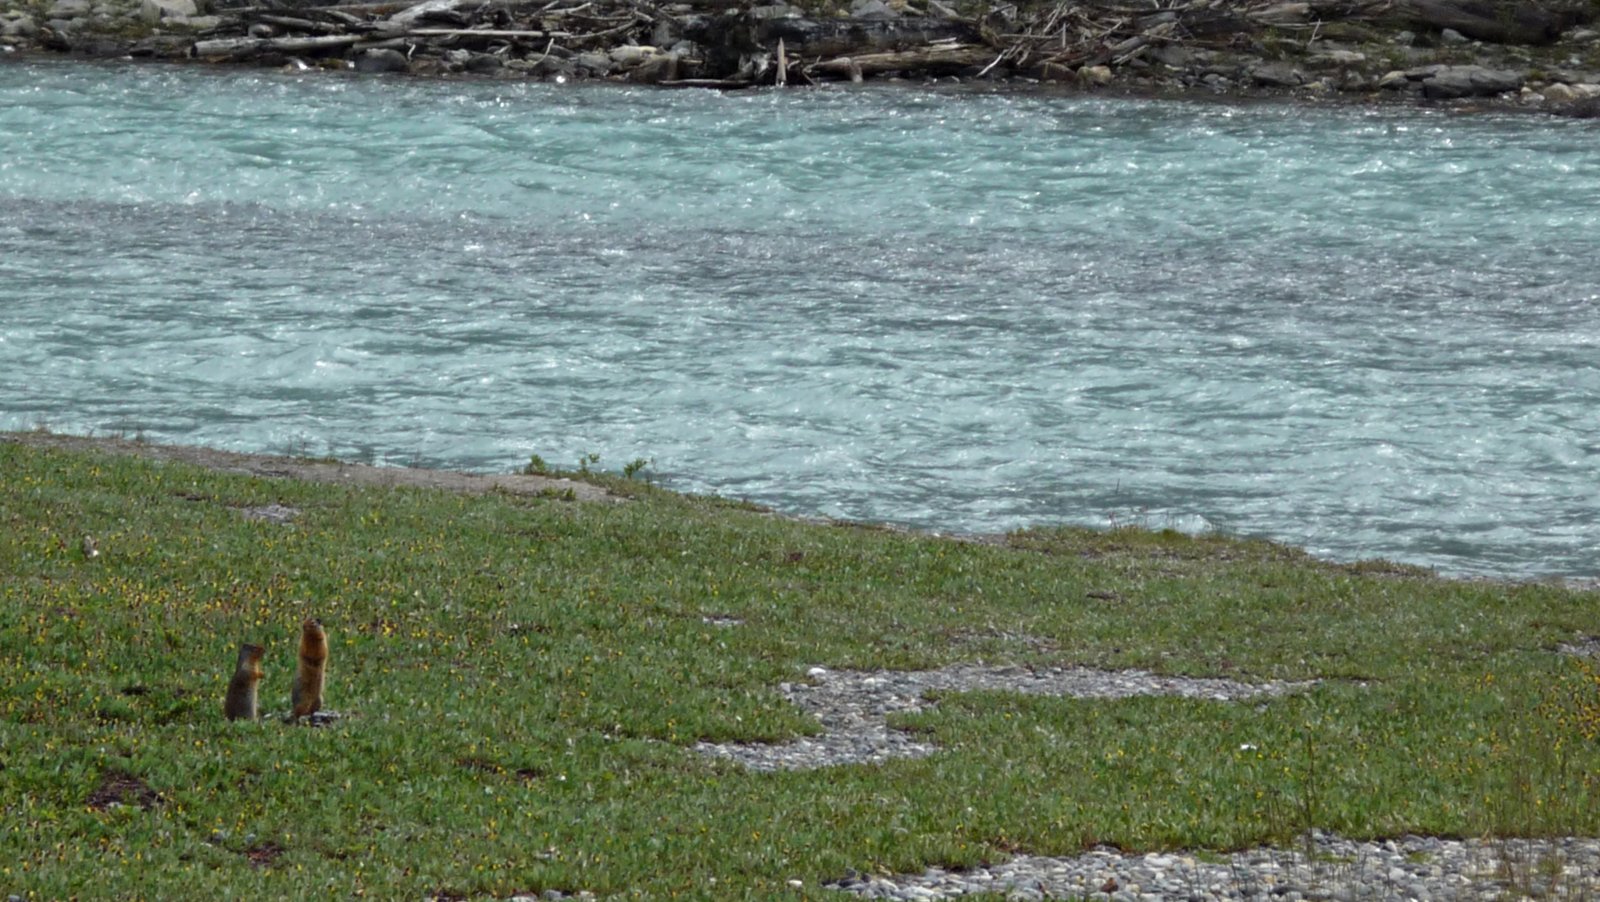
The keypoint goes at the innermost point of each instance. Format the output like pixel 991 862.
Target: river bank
pixel 1469 53
pixel 534 688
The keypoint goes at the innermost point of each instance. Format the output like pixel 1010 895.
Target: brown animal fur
pixel 306 698
pixel 241 700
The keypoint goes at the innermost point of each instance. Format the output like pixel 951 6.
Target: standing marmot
pixel 241 700
pixel 307 695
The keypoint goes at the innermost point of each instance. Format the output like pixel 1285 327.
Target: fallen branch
pixel 959 56
pixel 231 46
pixel 480 33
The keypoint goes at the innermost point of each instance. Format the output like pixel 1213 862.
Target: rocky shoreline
pixel 1503 54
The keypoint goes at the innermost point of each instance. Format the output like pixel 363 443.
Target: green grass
pixel 524 679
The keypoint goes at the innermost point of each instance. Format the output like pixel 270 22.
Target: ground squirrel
pixel 241 700
pixel 307 696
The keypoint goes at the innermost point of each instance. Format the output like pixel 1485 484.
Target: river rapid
pixel 1370 332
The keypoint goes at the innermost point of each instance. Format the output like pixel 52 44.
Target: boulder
pixel 775 11
pixel 1559 93
pixel 1277 75
pixel 656 69
pixel 1173 55
pixel 20 28
pixel 1451 82
pixel 484 63
pixel 153 11
pixel 162 46
pixel 69 9
pixel 553 67
pixel 1095 76
pixel 1393 81
pixel 630 55
pixel 382 60
pixel 872 9
pixel 596 63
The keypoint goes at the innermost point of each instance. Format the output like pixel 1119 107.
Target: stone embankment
pixel 1541 54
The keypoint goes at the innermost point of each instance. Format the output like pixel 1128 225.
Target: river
pixel 1369 332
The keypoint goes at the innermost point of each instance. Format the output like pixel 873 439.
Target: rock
pixel 1095 76
pixel 153 11
pixel 1451 82
pixel 872 9
pixel 162 46
pixel 1331 59
pixel 595 63
pixel 1277 75
pixel 1393 81
pixel 1404 38
pixel 484 63
pixel 656 69
pixel 1559 93
pixel 775 11
pixel 382 60
pixel 1418 73
pixel 1173 55
pixel 20 28
pixel 262 30
pixel 628 55
pixel 556 68
pixel 69 9
pixel 1587 91
pixel 1451 36
pixel 1581 36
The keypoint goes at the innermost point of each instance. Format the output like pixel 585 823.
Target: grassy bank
pixel 523 679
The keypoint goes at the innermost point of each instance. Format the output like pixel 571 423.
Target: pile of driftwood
pixel 721 43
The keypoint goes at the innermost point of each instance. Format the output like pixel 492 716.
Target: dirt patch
pixel 264 854
pixel 324 471
pixel 118 788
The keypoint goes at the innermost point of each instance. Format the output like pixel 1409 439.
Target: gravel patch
pixel 853 706
pixel 1588 648
pixel 1411 867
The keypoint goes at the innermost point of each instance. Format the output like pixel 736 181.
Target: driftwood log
pixel 938 60
pixel 1483 20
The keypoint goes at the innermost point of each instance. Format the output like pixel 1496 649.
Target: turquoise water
pixel 1368 332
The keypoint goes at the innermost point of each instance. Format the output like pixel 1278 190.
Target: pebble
pixel 1412 867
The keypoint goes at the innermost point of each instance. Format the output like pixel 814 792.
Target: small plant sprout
pixel 632 468
pixel 536 466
